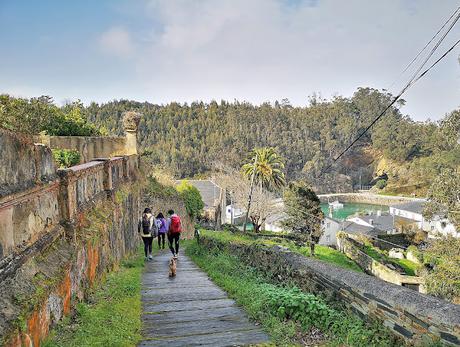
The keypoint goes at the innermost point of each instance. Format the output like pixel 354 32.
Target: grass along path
pixel 112 316
pixel 323 253
pixel 290 316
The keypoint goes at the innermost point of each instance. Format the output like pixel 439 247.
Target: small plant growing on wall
pixel 66 157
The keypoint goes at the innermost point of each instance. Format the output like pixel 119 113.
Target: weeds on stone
pixel 112 315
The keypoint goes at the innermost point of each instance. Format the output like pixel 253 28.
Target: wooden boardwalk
pixel 190 310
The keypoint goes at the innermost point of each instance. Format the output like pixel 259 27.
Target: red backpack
pixel 176 225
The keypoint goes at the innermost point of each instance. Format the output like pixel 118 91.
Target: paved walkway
pixel 190 310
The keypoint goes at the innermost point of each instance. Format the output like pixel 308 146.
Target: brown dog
pixel 172 267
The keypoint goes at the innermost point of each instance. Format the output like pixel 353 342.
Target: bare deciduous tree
pixel 263 202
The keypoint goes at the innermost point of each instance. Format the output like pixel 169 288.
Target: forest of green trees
pixel 189 139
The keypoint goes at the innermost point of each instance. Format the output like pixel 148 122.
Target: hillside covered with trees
pixel 189 139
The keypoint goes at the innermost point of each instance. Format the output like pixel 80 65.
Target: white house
pixel 414 210
pixel 330 227
pixel 233 214
pixel 274 222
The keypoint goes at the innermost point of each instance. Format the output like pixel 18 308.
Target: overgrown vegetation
pixel 443 256
pixel 410 268
pixel 112 315
pixel 285 312
pixel 66 157
pixel 192 199
pixel 323 253
pixel 36 115
pixel 304 214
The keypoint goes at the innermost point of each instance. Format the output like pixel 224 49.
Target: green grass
pixel 323 253
pixel 373 253
pixel 409 266
pixel 112 318
pixel 284 312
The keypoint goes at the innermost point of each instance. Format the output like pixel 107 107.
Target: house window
pixel 443 224
pixel 328 225
pixel 328 238
pixel 432 227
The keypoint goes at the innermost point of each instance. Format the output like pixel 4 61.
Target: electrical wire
pixel 423 49
pixel 409 84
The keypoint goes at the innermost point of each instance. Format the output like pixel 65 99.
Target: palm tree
pixel 268 168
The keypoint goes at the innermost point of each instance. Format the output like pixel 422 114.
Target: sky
pixel 250 50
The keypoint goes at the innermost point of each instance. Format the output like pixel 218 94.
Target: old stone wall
pixel 371 266
pixel 23 164
pixel 365 198
pixel 89 147
pixel 60 230
pixel 417 318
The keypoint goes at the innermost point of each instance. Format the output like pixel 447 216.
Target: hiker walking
pixel 162 230
pixel 148 229
pixel 174 225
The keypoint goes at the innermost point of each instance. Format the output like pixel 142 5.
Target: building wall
pixel 329 237
pixel 433 227
pixel 417 318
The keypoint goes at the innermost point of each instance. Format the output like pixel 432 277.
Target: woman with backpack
pixel 162 230
pixel 148 229
pixel 174 225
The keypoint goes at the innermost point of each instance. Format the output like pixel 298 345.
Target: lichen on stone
pixel 131 120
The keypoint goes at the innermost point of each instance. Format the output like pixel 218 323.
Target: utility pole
pixel 231 211
pixel 250 194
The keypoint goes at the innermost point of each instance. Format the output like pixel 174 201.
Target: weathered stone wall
pixel 59 231
pixel 417 318
pixel 23 164
pixel 89 147
pixel 56 275
pixel 371 266
pixel 365 198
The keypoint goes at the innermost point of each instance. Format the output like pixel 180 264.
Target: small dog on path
pixel 172 267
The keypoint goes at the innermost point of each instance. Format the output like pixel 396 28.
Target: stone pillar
pixel 67 195
pixel 131 121
pixel 108 180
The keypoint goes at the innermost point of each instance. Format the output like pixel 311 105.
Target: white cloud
pixel 117 41
pixel 262 50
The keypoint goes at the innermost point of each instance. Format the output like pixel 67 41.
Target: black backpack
pixel 145 224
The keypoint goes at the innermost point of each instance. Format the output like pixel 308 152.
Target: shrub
pixel 66 157
pixel 444 280
pixel 380 184
pixel 192 198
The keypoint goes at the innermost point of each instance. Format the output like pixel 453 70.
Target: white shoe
pixel 150 257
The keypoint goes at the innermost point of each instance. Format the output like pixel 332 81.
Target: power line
pixel 427 44
pixel 409 84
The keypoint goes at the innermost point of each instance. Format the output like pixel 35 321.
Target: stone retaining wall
pixel 366 198
pixel 373 267
pixel 417 318
pixel 60 230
